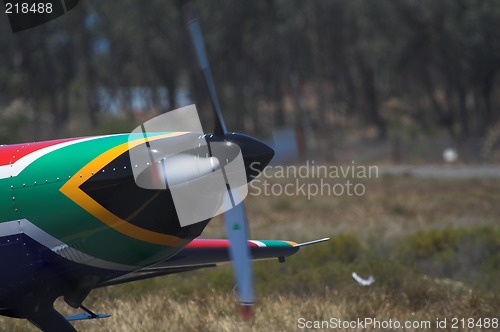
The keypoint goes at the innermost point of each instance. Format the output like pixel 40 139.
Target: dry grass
pixel 392 207
pixel 373 234
pixel 157 312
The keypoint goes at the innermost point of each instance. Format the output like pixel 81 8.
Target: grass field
pixel 433 247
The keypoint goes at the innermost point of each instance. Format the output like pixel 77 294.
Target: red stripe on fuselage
pixel 206 243
pixel 9 154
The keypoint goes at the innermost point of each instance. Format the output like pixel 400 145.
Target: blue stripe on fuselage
pixel 29 267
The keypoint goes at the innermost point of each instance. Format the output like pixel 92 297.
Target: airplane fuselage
pixel 72 213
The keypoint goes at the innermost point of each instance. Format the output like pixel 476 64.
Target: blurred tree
pixel 439 59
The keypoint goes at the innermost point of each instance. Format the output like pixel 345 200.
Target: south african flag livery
pixel 70 209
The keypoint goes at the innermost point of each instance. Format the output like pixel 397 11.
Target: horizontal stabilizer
pixel 205 253
pixel 312 242
pixel 85 316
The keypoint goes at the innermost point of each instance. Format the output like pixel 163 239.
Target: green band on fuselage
pixel 36 196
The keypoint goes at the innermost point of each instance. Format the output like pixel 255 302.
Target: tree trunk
pixel 370 92
pixel 279 112
pixel 486 90
pixel 171 85
pixel 462 108
pixel 89 74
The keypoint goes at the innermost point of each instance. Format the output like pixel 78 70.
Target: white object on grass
pixel 363 282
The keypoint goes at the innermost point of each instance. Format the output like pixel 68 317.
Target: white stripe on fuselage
pixel 260 244
pixel 24 226
pixel 14 169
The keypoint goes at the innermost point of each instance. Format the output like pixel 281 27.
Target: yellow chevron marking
pixel 72 190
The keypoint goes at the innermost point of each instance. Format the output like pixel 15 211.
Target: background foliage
pixel 404 73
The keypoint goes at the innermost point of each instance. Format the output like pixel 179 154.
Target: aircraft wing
pixel 204 253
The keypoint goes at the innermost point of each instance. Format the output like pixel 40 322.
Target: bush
pixel 466 254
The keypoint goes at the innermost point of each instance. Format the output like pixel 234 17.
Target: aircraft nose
pixel 256 154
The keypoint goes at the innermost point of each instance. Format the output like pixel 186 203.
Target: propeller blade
pixel 194 27
pixel 235 218
pixel 237 232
